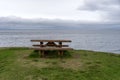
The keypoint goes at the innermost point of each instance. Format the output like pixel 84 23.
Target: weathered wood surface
pixel 45 45
pixel 51 41
pixel 37 45
pixel 51 48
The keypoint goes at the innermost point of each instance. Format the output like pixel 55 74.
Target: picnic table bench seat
pixel 37 45
pixel 51 48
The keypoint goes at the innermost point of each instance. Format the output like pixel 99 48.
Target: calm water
pixel 99 40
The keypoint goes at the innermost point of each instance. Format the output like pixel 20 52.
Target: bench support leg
pixel 42 53
pixel 60 53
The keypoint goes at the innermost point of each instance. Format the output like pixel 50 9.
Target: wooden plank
pixel 50 44
pixel 37 45
pixel 52 48
pixel 62 46
pixel 51 41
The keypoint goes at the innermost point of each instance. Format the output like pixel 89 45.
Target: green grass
pixel 26 64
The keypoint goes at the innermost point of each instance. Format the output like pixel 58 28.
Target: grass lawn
pixel 25 64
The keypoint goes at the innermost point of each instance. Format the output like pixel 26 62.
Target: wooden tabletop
pixel 51 40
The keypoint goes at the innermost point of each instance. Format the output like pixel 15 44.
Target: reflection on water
pixel 108 41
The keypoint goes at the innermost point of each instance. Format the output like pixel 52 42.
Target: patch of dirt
pixel 29 63
pixel 74 64
pixel 76 55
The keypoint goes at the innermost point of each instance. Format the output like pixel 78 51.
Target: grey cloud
pixel 94 5
pixel 108 9
pixel 20 23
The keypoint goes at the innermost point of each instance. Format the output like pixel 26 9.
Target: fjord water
pixel 98 40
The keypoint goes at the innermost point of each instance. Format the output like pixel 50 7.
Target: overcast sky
pixel 77 10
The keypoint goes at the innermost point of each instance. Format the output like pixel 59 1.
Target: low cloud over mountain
pixel 20 23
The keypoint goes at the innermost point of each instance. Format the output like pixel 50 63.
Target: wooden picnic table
pixel 45 45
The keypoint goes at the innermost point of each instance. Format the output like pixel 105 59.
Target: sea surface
pixel 97 40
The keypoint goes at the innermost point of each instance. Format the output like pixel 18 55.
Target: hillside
pixel 25 64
